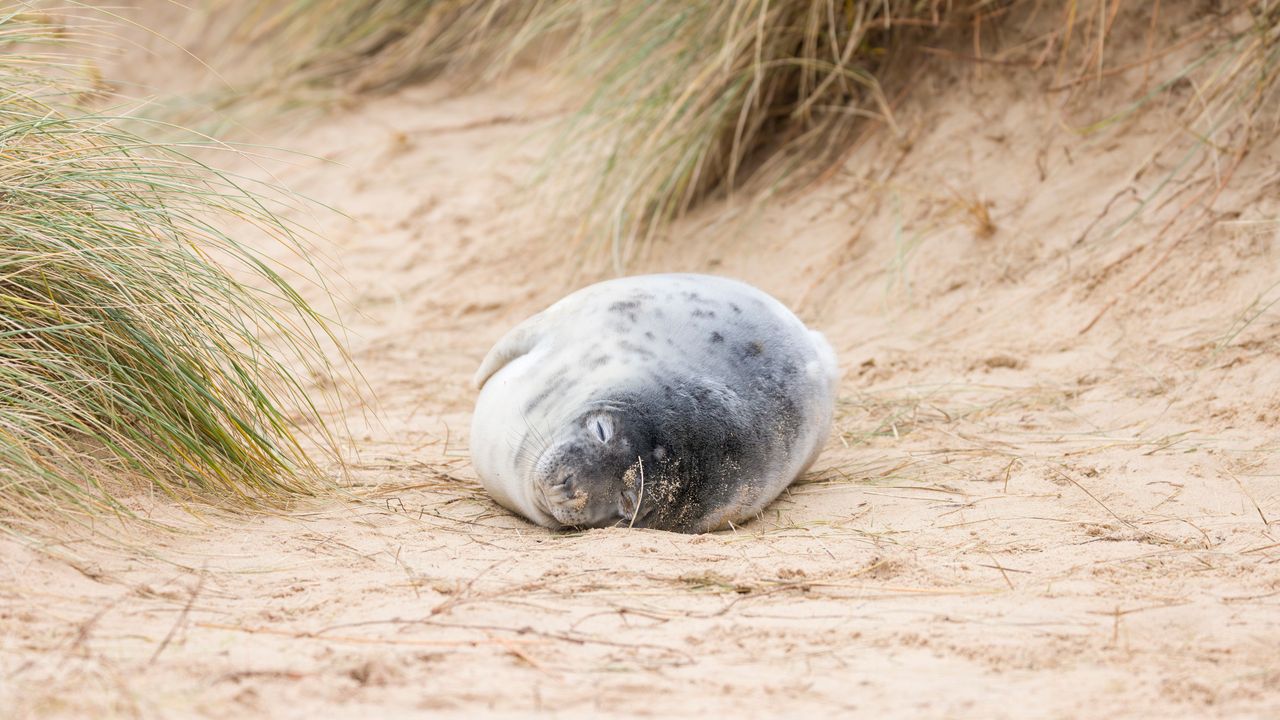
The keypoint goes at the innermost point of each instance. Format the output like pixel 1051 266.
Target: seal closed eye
pixel 601 431
pixel 713 398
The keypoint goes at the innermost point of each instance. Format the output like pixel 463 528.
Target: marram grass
pixel 131 356
pixel 691 98
pixel 364 45
pixel 686 99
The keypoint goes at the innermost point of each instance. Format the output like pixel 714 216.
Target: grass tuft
pixel 131 356
pixel 689 100
pixel 366 45
pixel 685 98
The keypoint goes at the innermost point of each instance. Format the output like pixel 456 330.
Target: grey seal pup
pixel 678 402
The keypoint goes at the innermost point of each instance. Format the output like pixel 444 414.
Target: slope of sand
pixel 1052 491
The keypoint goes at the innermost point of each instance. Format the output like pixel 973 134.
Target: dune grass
pixel 350 46
pixel 1234 87
pixel 686 100
pixel 131 355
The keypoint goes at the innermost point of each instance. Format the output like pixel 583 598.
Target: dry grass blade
pixel 1233 106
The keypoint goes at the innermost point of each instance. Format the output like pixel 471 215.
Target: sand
pixel 1052 491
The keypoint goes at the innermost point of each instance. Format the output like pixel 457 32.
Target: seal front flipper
pixel 518 341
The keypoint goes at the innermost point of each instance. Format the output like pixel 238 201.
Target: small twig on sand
pixel 1265 523
pixel 463 593
pixel 355 640
pixel 1101 504
pixel 512 649
pixel 1001 568
pixel 182 618
pixel 538 636
pixel 86 627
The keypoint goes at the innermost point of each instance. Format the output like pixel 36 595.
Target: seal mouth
pixel 540 500
pixel 631 505
pixel 638 517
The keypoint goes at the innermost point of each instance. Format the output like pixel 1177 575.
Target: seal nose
pixel 558 491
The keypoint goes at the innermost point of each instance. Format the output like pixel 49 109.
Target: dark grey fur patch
pixel 717 337
pixel 752 349
pixel 696 298
pixel 704 313
pixel 559 383
pixel 624 306
pixel 636 349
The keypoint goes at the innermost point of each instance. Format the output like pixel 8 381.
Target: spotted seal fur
pixel 680 402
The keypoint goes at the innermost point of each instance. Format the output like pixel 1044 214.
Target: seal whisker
pixel 539 440
pixel 533 429
pixel 528 453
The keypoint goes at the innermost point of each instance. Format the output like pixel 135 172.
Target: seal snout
pixel 575 500
pixel 560 494
pixel 568 499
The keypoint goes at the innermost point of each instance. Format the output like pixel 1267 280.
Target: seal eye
pixel 601 425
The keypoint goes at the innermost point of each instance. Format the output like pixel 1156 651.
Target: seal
pixel 677 402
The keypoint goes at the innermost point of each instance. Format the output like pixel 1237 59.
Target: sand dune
pixel 1052 491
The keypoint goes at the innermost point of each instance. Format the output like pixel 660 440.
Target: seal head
pixel 670 460
pixel 594 474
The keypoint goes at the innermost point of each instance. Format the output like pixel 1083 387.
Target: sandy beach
pixel 1052 489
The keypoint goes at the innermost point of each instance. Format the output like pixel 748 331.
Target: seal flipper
pixel 518 341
